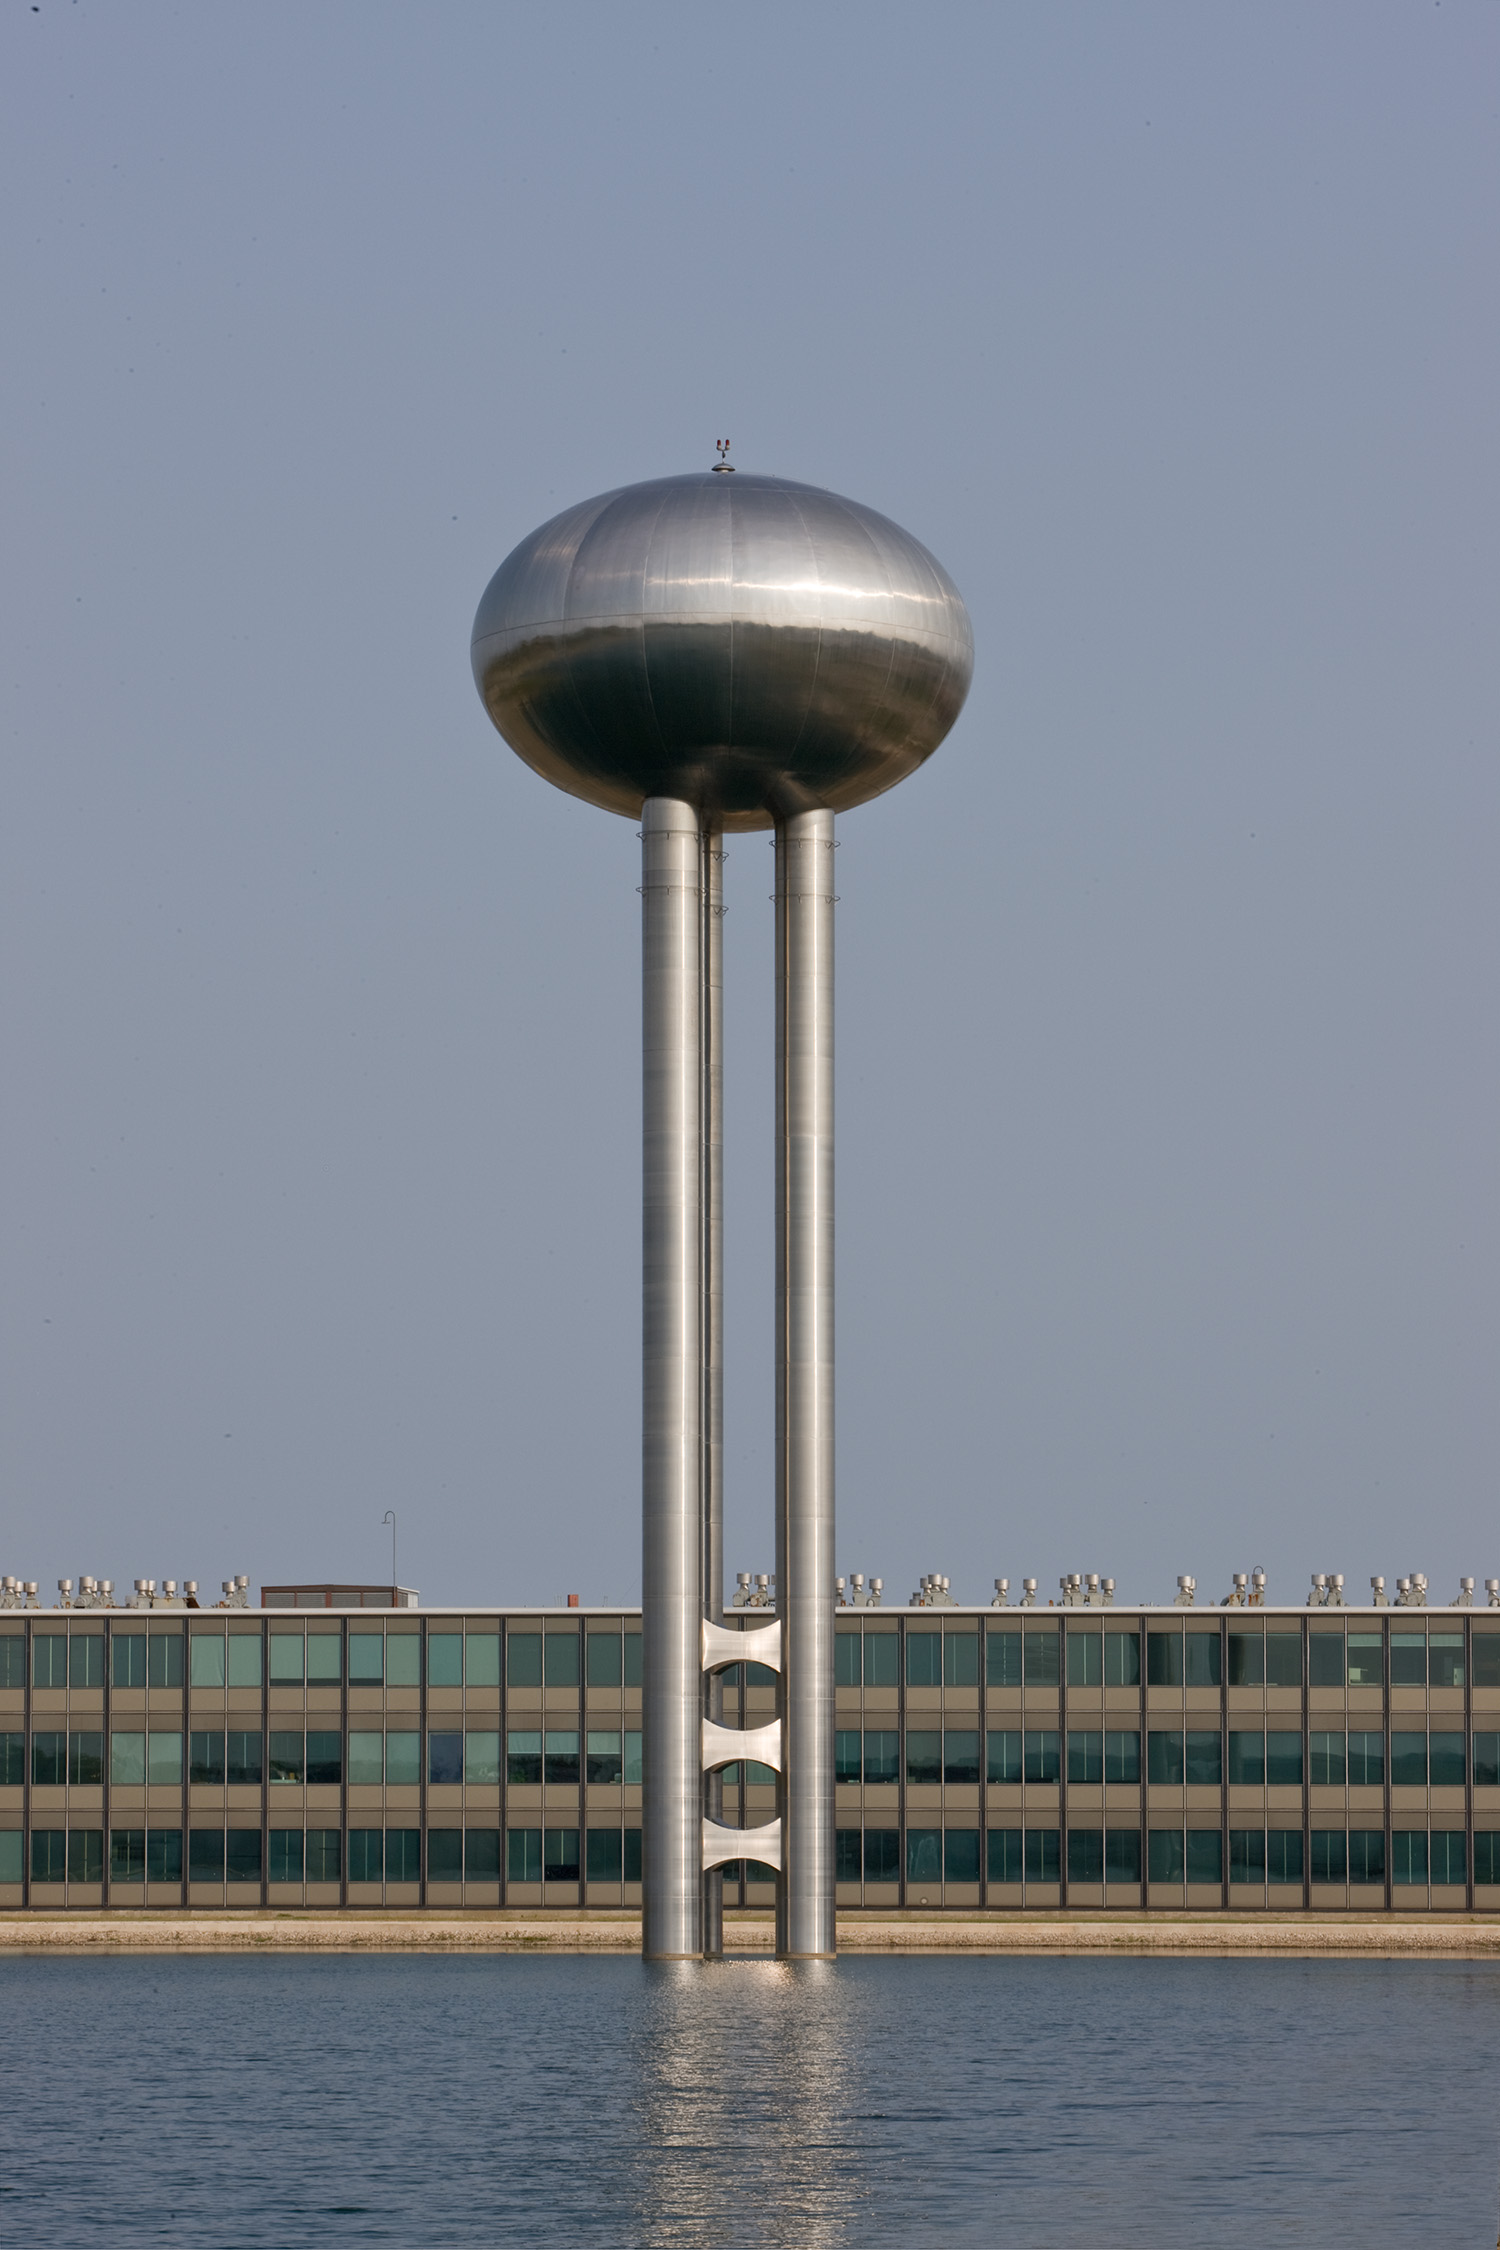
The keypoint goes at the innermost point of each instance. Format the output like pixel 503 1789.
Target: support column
pixel 711 1049
pixel 804 1378
pixel 672 1382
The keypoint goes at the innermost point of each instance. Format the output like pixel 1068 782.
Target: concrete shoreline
pixel 439 1931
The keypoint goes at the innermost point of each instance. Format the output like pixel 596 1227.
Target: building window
pixel 1203 1759
pixel 286 1855
pixel 1247 1855
pixel 85 1855
pixel 960 1659
pixel 1122 1855
pixel 1164 1856
pixel 49 1761
pixel 560 1661
pixel 1325 1659
pixel 288 1756
pixel 560 1855
pixel 206 1855
pixel 1003 1855
pixel 1042 1754
pixel 86 1669
pixel 846 1758
pixel 1445 1760
pixel 882 1755
pixel 1486 1652
pixel 1448 1858
pixel 482 1659
pixel 366 1855
pixel 127 1855
pixel 1408 1659
pixel 49 1669
pixel 1409 1855
pixel 445 1660
pixel 403 1855
pixel 848 1851
pixel 603 1766
pixel 242 1854
pixel 324 1855
pixel 1203 1652
pixel 12 1761
pixel 1326 1762
pixel 1445 1659
pixel 961 1758
pixel 1164 1759
pixel 604 1858
pixel 1043 1855
pixel 128 1659
pixel 1003 1756
pixel 366 1758
pixel 1042 1661
pixel 482 1855
pixel 1247 1659
pixel 1122 1755
pixel 1205 1855
pixel 164 1759
pixel 1408 1761
pixel 12 1855
pixel 49 1855
pixel 243 1758
pixel 1122 1659
pixel 1283 1660
pixel 602 1659
pixel 445 1759
pixel 1284 1855
pixel 403 1758
pixel 127 1762
pixel 1487 1761
pixel 924 1855
pixel 482 1758
pixel 1366 1660
pixel 1486 1843
pixel 924 1659
pixel 206 1758
pixel 960 1855
pixel 12 1668
pixel 1283 1760
pixel 523 1668
pixel 1366 1760
pixel 403 1659
pixel 1085 1656
pixel 924 1754
pixel 1085 1855
pixel 1085 1752
pixel 1367 1855
pixel 164 1855
pixel 366 1659
pixel 325 1758
pixel 288 1659
pixel 1164 1659
pixel 1002 1660
pixel 560 1758
pixel 1247 1758
pixel 244 1660
pixel 882 1855
pixel 1329 1855
pixel 445 1855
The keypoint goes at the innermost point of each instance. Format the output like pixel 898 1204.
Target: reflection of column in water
pixel 744 2133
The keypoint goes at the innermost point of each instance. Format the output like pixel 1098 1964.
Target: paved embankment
pixel 269 1932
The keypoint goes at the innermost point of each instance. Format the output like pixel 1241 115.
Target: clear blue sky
pixel 1167 1040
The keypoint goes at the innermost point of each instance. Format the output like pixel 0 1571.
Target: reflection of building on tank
pixel 706 653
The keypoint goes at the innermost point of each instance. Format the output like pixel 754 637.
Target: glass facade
pixel 1061 1760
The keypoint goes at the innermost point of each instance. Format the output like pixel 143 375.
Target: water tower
pixel 703 654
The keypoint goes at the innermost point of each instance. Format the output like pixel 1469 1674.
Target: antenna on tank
pixel 723 461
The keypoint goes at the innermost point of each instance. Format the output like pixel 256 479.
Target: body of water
pixel 419 2100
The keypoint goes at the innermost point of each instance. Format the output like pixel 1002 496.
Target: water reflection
pixel 743 2106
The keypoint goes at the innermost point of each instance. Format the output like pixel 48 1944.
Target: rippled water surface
pixel 427 2101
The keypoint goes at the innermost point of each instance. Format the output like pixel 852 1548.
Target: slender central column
pixel 711 1052
pixel 672 1382
pixel 804 1377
